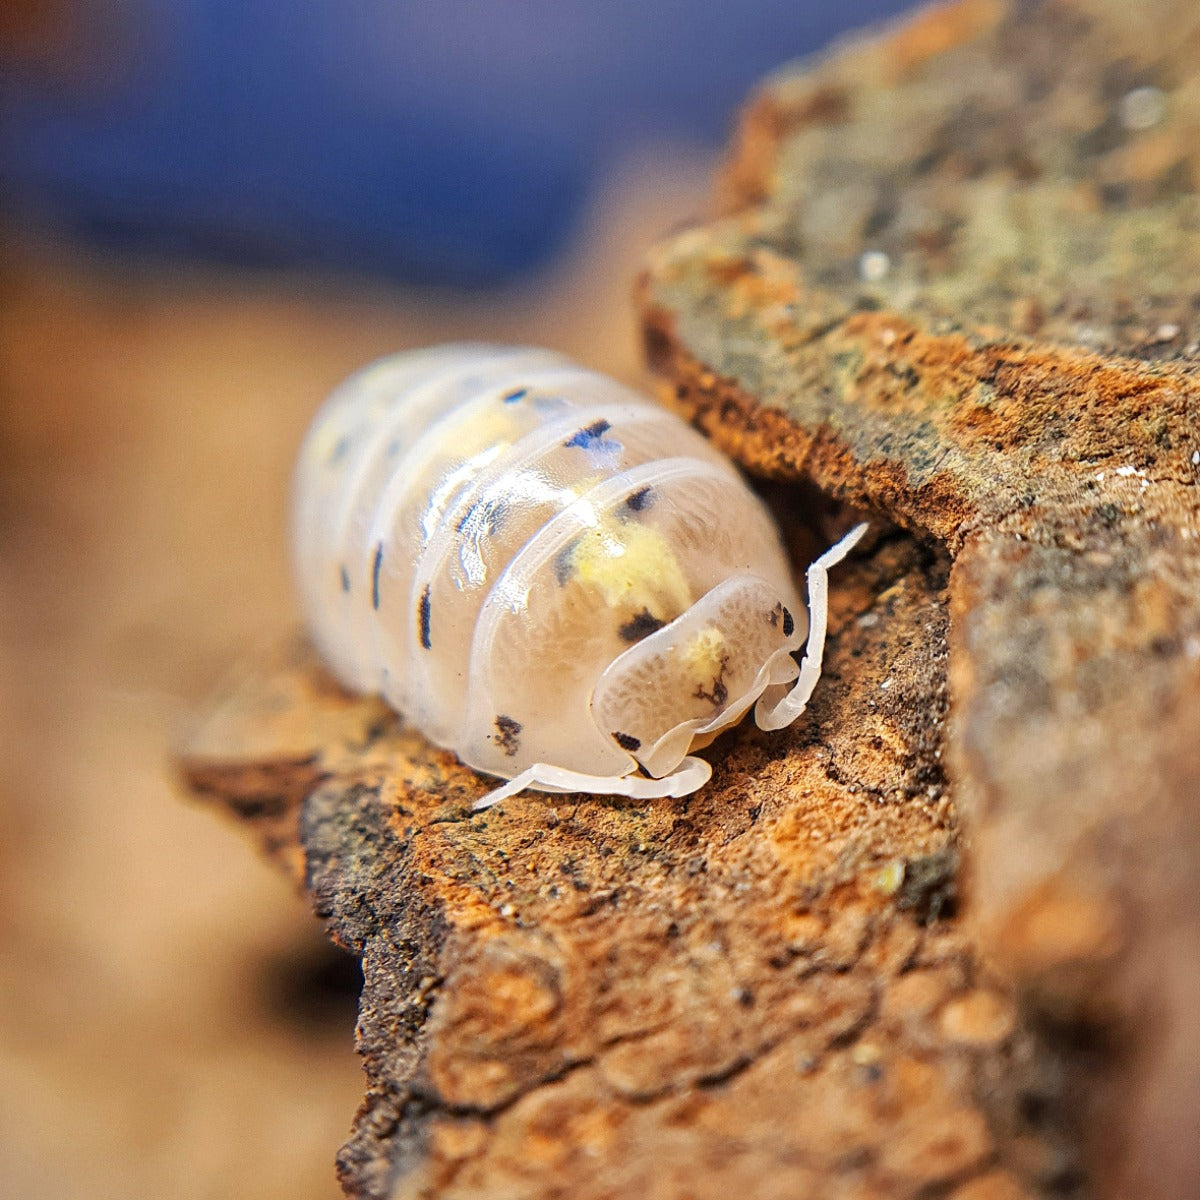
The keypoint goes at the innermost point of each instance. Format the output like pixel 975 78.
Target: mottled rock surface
pixel 939 939
pixel 957 283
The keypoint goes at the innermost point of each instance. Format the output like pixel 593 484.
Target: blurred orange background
pixel 171 1022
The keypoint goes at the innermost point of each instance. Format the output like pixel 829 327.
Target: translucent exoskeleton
pixel 557 579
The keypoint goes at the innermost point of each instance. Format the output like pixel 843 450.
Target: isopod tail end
pixel 791 705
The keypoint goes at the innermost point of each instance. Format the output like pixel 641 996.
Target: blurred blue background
pixel 428 140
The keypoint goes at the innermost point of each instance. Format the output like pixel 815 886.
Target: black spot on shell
pixel 640 499
pixel 513 397
pixel 507 735
pixel 564 565
pixel 375 576
pixel 789 624
pixel 627 741
pixel 644 624
pixel 592 433
pixel 345 580
pixel 424 616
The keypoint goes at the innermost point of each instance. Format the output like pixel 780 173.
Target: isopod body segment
pixel 557 579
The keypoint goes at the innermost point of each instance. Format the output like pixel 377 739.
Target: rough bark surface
pixel 957 284
pixel 777 985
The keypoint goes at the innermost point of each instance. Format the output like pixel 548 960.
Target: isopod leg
pixel 691 774
pixel 795 701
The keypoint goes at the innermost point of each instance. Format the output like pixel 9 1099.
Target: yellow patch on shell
pixel 493 427
pixel 705 654
pixel 633 567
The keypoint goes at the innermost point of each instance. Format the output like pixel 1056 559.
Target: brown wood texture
pixel 778 985
pixel 957 284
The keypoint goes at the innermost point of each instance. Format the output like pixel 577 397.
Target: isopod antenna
pixel 794 702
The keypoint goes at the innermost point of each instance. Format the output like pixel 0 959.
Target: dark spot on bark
pixel 930 885
pixel 312 990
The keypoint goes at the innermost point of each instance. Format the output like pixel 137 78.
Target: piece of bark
pixel 774 985
pixel 957 284
pixel 759 986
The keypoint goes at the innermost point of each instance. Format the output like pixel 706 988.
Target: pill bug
pixel 543 571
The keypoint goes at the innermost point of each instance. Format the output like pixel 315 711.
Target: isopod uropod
pixel 543 571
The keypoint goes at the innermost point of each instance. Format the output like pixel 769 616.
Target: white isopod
pixel 543 571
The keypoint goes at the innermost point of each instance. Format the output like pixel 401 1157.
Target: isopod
pixel 552 576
